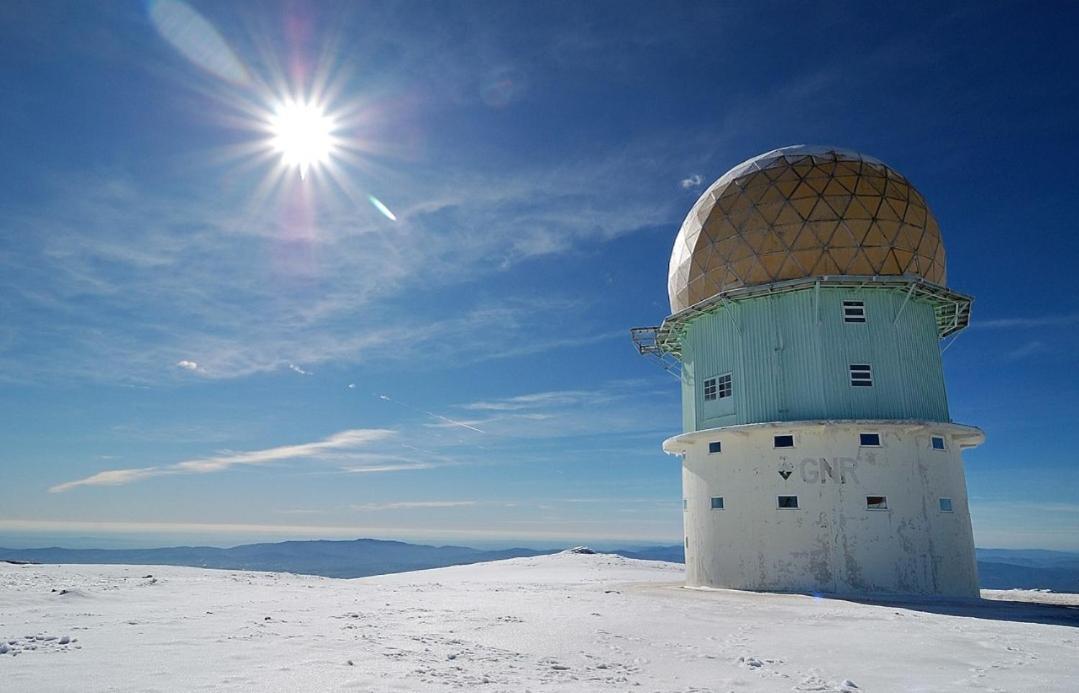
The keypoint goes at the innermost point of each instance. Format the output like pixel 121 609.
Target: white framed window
pixel 717 502
pixel 946 505
pixel 783 441
pixel 714 447
pixel 710 389
pixel 787 502
pixel 725 386
pixel 861 375
pixel 937 442
pixel 876 502
pixel 854 311
pixel 869 440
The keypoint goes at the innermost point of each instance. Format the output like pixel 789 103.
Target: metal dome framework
pixel 801 212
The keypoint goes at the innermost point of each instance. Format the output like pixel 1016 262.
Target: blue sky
pixel 196 347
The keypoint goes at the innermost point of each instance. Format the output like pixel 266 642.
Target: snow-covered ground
pixel 552 623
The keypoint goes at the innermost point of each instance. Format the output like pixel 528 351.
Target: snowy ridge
pixel 563 622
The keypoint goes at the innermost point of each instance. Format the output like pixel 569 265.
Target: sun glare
pixel 302 135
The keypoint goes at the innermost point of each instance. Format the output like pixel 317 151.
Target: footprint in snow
pixel 814 682
pixel 38 643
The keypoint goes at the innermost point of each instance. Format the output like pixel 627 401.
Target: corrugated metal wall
pixel 789 356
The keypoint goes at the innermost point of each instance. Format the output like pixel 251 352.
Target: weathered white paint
pixel 832 543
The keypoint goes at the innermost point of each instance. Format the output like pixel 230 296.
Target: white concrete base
pixel 832 542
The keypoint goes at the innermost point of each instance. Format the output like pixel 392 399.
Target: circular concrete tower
pixel 808 299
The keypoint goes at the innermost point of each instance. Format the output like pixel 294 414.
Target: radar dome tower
pixel 808 299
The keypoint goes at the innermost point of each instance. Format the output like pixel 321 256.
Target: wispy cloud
pixel 182 268
pixel 114 477
pixel 614 408
pixel 345 440
pixel 296 369
pixel 403 467
pixel 445 420
pixel 411 505
pixel 1032 347
pixel 1063 320
pixel 691 182
pixel 557 398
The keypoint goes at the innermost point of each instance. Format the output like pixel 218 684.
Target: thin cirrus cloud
pixel 1027 322
pixel 1032 347
pixel 183 268
pixel 529 401
pixel 536 400
pixel 412 505
pixel 336 443
pixel 617 407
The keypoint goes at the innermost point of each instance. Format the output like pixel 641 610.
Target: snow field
pixel 568 622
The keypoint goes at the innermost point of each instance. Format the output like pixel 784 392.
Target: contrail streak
pixel 433 415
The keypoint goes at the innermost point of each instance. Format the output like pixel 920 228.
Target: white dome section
pixel 799 212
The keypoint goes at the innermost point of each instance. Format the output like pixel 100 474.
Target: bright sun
pixel 302 134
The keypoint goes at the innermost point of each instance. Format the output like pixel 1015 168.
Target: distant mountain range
pixel 1028 569
pixel 998 568
pixel 341 559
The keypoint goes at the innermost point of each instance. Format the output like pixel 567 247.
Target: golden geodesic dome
pixel 800 212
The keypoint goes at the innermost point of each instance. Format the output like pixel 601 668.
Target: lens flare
pixel 383 209
pixel 302 135
pixel 196 39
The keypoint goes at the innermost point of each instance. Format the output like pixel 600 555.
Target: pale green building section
pixel 789 356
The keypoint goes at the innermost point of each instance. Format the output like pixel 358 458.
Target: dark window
pixel 853 311
pixel 783 442
pixel 861 375
pixel 788 501
pixel 937 442
pixel 726 388
pixel 869 440
pixel 715 446
pixel 945 505
pixel 876 503
pixel 717 502
pixel 685 504
pixel 710 389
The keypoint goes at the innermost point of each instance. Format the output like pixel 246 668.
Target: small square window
pixel 876 503
pixel 937 442
pixel 714 447
pixel 710 389
pixel 787 502
pixel 786 441
pixel 861 375
pixel 946 505
pixel 726 386
pixel 869 440
pixel 853 311
pixel 717 502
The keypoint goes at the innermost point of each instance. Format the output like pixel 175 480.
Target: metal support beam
pixel 903 305
pixel 952 309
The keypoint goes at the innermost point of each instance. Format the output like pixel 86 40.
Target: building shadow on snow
pixel 988 609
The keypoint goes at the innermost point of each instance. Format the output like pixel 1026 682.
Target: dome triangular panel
pixel 803 212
